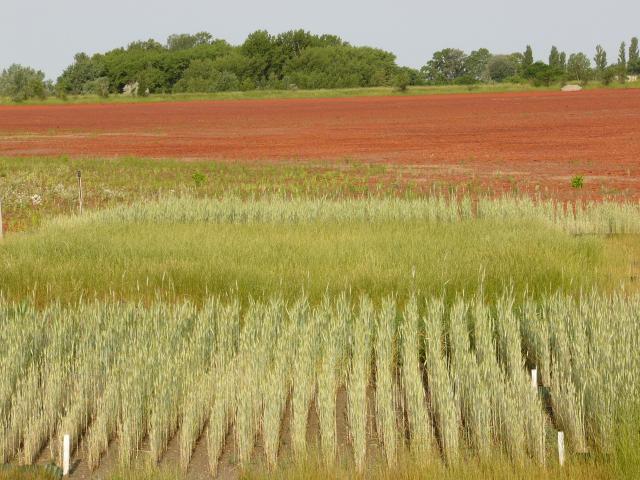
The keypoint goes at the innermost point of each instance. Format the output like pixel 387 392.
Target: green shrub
pixel 608 75
pixel 501 67
pixel 517 79
pixel 465 80
pixel 22 83
pixel 247 84
pixel 198 179
pixel 577 182
pixel 203 76
pixel 99 86
pixel 401 81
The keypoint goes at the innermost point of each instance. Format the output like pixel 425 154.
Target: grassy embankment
pixel 320 93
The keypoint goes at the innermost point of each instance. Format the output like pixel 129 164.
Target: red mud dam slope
pixel 546 137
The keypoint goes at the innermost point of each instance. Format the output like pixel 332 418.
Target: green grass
pixel 35 189
pixel 408 469
pixel 8 472
pixel 320 93
pixel 627 442
pixel 110 182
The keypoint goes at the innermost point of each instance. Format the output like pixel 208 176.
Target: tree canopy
pixel 633 65
pixel 21 83
pixel 600 59
pixel 501 67
pixel 579 67
pixel 298 59
pixel 203 63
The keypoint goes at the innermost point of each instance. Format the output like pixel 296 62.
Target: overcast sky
pixel 46 34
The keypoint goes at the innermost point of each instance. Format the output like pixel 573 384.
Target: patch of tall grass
pixel 573 218
pixel 194 248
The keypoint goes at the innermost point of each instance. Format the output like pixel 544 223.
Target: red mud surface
pixel 526 140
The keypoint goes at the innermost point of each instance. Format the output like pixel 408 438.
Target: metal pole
pixel 80 199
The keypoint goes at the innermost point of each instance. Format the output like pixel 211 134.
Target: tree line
pixel 455 66
pixel 297 59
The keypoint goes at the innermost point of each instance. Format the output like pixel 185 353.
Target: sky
pixel 46 34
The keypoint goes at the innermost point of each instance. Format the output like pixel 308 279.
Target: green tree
pixel 475 64
pixel 634 57
pixel 152 79
pixel 527 58
pixel 341 67
pixel 83 69
pixel 634 53
pixel 563 61
pixel 401 81
pixel 202 76
pixel 517 58
pixel 622 62
pixel 22 83
pixel 622 55
pixel 541 74
pixel 145 45
pixel 445 66
pixel 501 67
pixel 600 59
pixel 236 63
pixel 554 58
pixel 259 47
pixel 579 67
pixel 261 61
pixel 99 86
pixel 185 41
pixel 608 74
pixel 415 77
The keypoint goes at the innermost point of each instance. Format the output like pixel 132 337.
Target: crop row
pixel 448 381
pixel 574 218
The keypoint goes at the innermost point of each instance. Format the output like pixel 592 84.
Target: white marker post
pixel 1 228
pixel 66 454
pixel 561 448
pixel 534 379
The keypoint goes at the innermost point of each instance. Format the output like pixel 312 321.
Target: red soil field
pixel 523 141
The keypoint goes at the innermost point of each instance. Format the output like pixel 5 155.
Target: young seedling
pixel 577 182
